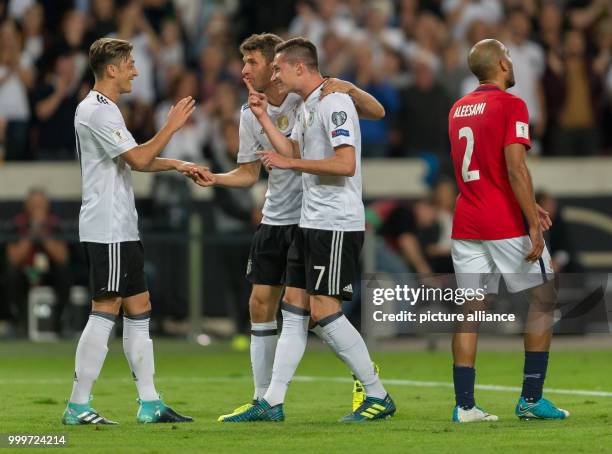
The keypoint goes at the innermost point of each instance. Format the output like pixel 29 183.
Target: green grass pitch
pixel 35 380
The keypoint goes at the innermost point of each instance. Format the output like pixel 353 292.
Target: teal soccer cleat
pixel 156 411
pixel 371 409
pixel 359 394
pixel 238 410
pixel 79 414
pixel 260 411
pixel 542 409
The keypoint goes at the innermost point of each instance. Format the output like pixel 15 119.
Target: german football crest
pixel 282 122
pixel 310 118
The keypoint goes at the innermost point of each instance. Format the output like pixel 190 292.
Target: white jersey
pixel 108 213
pixel 284 195
pixel 329 202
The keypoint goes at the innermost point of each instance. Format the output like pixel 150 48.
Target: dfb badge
pixel 282 122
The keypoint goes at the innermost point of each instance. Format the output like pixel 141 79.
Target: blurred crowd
pixel 410 54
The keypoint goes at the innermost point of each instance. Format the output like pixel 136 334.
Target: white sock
pixel 90 355
pixel 138 349
pixel 289 351
pixel 264 337
pixel 348 344
pixel 319 332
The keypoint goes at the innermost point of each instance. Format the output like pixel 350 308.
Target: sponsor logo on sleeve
pixel 340 132
pixel 338 118
pixel 119 135
pixel 522 130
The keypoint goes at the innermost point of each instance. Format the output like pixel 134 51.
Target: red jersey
pixel 480 125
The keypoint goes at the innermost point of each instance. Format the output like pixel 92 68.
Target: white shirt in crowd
pixel 488 11
pixel 529 64
pixel 13 93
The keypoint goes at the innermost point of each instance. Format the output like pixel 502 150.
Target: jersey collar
pixel 315 93
pixel 488 87
pixel 102 96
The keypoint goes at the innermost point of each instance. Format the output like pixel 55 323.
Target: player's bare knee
pixel 543 297
pixel 317 313
pixel 470 307
pixel 107 306
pixel 137 304
pixel 260 308
pixel 296 297
pixel 322 307
pixel 293 300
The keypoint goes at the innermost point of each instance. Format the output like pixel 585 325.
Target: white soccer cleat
pixel 474 414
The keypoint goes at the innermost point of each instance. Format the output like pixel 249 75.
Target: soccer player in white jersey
pixel 325 145
pixel 108 229
pixel 268 255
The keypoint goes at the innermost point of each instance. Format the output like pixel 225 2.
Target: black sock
pixel 464 378
pixel 534 374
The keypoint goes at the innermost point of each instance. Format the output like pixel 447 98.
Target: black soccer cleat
pixel 155 411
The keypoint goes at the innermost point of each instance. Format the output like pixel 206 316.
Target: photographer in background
pixel 36 258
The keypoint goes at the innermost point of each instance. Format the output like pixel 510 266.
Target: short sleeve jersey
pixel 480 125
pixel 329 202
pixel 284 195
pixel 108 212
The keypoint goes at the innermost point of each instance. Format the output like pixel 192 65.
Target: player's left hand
pixel 204 177
pixel 185 167
pixel 273 160
pixel 199 174
pixel 544 217
pixel 333 85
pixel 537 243
pixel 188 169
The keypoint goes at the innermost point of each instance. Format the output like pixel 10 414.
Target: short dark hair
pixel 300 50
pixel 106 51
pixel 263 42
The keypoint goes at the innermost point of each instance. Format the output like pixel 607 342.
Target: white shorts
pixel 481 263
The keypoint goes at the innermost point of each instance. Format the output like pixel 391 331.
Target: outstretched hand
pixel 180 112
pixel 186 167
pixel 203 177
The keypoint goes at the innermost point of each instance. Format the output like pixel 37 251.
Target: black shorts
pixel 115 269
pixel 327 261
pixel 267 262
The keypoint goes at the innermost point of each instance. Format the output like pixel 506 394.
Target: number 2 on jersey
pixel 468 175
